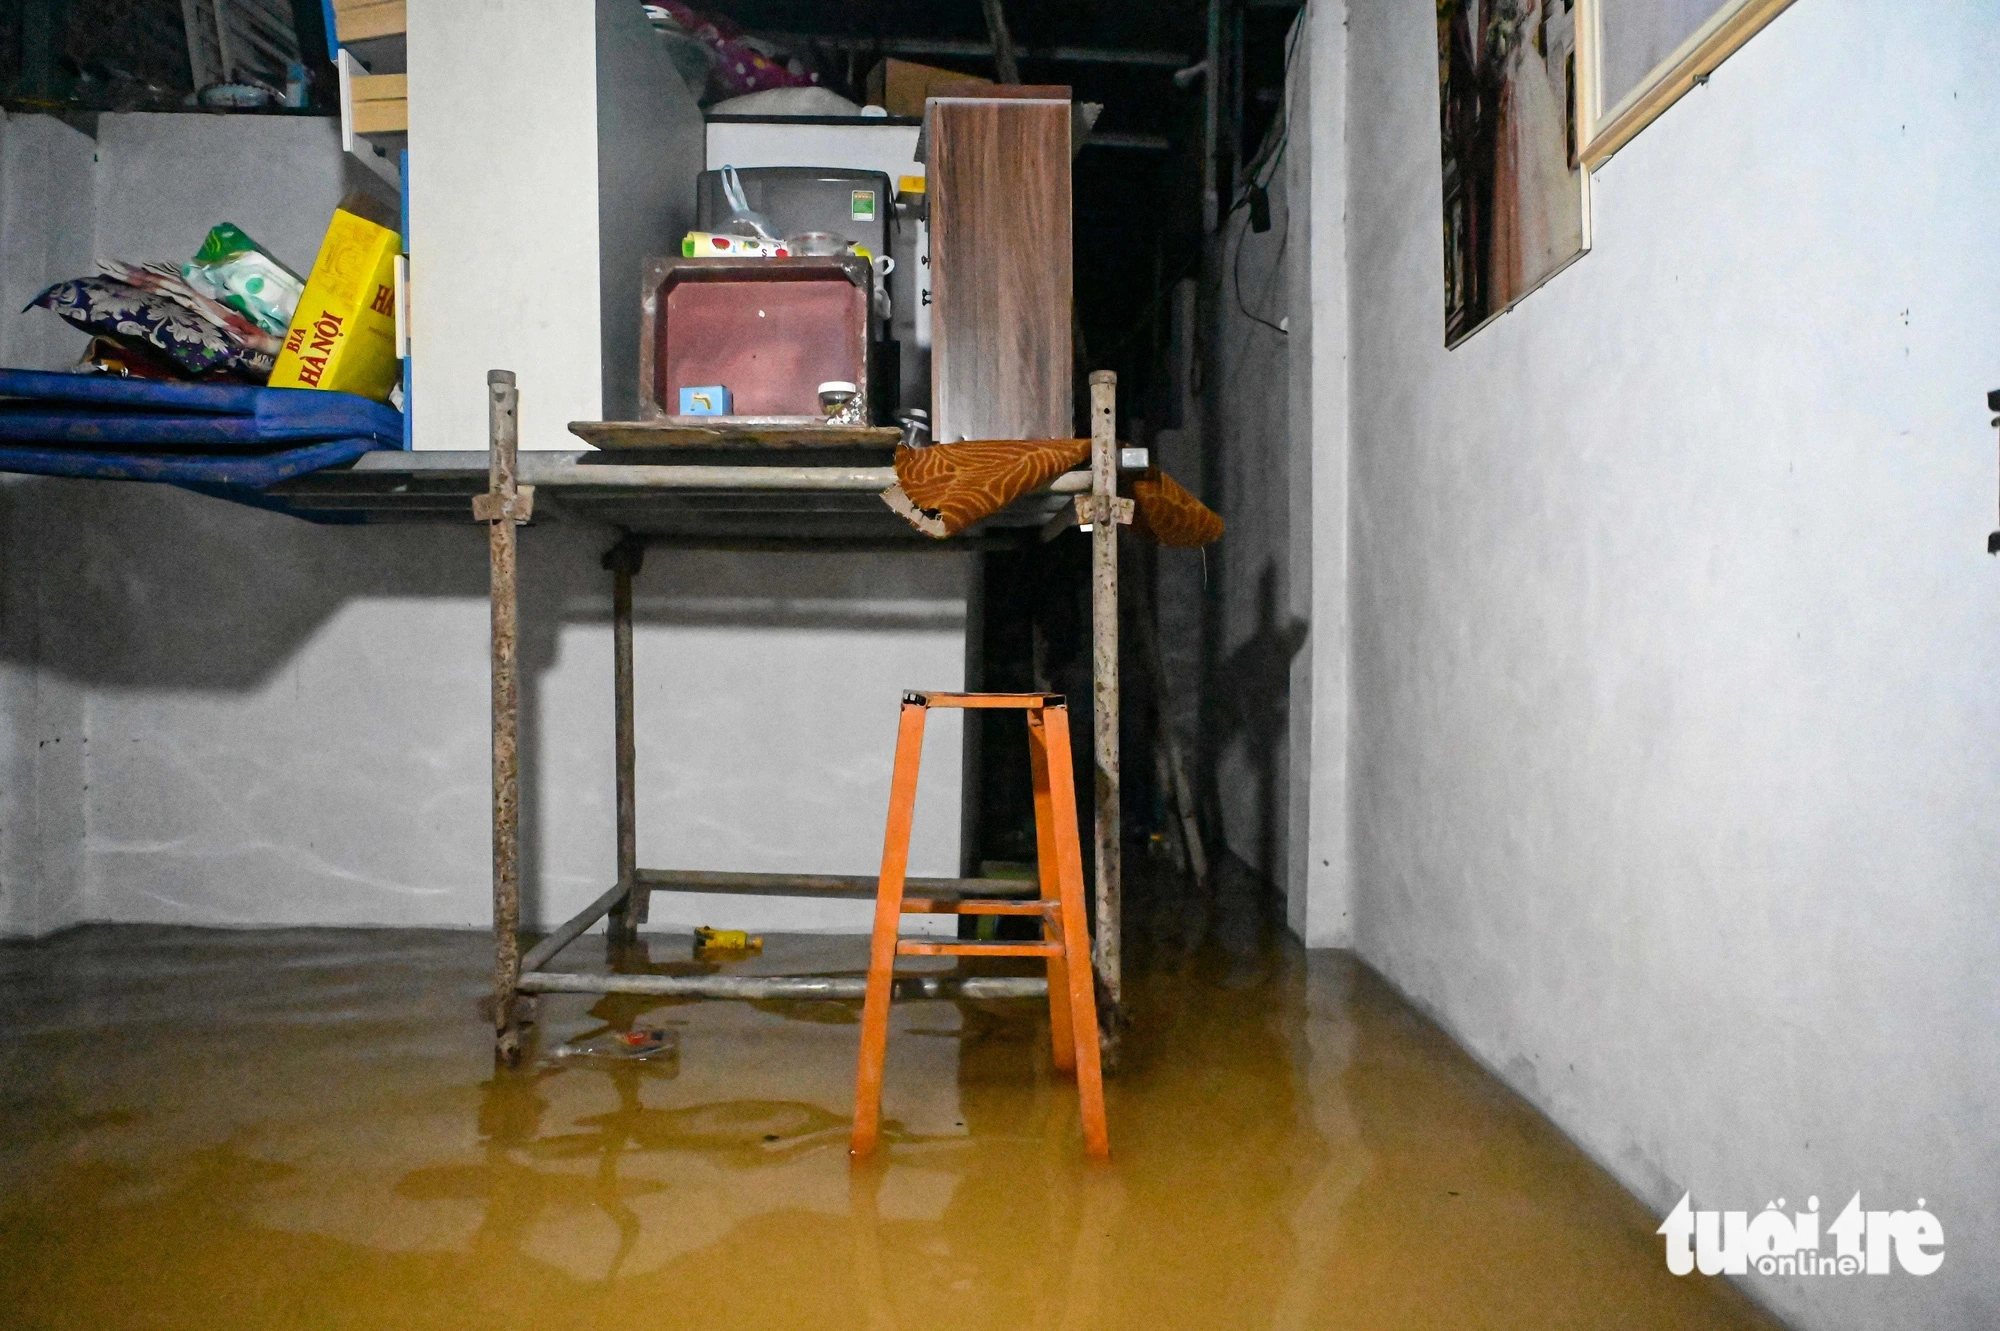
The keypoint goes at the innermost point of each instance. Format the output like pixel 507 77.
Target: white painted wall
pixel 1321 856
pixel 1676 649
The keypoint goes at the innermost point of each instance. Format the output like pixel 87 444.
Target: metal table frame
pixel 507 502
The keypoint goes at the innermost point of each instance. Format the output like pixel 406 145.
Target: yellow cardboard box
pixel 343 336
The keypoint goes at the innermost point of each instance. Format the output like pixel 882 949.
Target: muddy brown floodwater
pixel 303 1128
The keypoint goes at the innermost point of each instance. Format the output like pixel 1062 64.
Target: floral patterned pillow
pixel 109 307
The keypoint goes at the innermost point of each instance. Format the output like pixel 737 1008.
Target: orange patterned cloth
pixel 945 488
pixel 1170 514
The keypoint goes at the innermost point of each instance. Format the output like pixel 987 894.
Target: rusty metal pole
pixel 1104 676
pixel 623 561
pixel 503 427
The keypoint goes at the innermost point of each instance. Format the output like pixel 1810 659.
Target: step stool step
pixel 1031 702
pixel 912 947
pixel 934 906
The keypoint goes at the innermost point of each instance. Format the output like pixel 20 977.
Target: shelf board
pixel 361 20
pixel 722 506
pixel 381 103
pixel 662 434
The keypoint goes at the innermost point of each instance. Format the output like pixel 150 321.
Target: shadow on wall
pixel 1248 716
pixel 254 658
pixel 145 586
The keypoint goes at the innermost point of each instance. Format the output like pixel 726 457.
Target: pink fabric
pixel 740 68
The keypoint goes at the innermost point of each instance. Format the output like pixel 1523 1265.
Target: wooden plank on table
pixel 1020 92
pixel 360 20
pixel 391 117
pixel 667 434
pixel 999 186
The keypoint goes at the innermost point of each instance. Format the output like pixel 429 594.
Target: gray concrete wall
pixel 1277 693
pixel 1181 596
pixel 46 218
pixel 288 723
pixel 1675 641
pixel 1250 572
pixel 43 742
pixel 163 180
pixel 211 715
pixel 651 144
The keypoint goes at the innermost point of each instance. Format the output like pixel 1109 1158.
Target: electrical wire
pixel 1270 153
pixel 1236 273
pixel 1259 172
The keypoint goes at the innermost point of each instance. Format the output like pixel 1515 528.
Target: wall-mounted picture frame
pixel 1642 56
pixel 1516 196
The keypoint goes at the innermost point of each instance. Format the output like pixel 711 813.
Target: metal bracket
pixel 1080 512
pixel 490 506
pixel 1090 509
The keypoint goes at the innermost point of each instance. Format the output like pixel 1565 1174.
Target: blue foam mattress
pixel 146 430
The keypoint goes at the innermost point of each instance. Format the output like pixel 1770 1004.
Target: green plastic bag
pixel 234 269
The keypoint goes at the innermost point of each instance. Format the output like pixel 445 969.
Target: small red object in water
pixel 643 1039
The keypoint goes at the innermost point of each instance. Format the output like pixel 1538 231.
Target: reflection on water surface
pixel 303 1128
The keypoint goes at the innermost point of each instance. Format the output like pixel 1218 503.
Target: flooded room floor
pixel 303 1128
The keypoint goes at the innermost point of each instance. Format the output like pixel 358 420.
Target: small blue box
pixel 711 400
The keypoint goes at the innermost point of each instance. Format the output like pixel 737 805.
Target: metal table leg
pixel 499 508
pixel 624 560
pixel 1104 678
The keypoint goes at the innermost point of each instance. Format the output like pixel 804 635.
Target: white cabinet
pixel 552 148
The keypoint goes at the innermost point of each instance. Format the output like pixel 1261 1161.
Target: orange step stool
pixel 1065 940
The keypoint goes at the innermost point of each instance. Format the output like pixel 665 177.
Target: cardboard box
pixel 900 87
pixel 343 335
